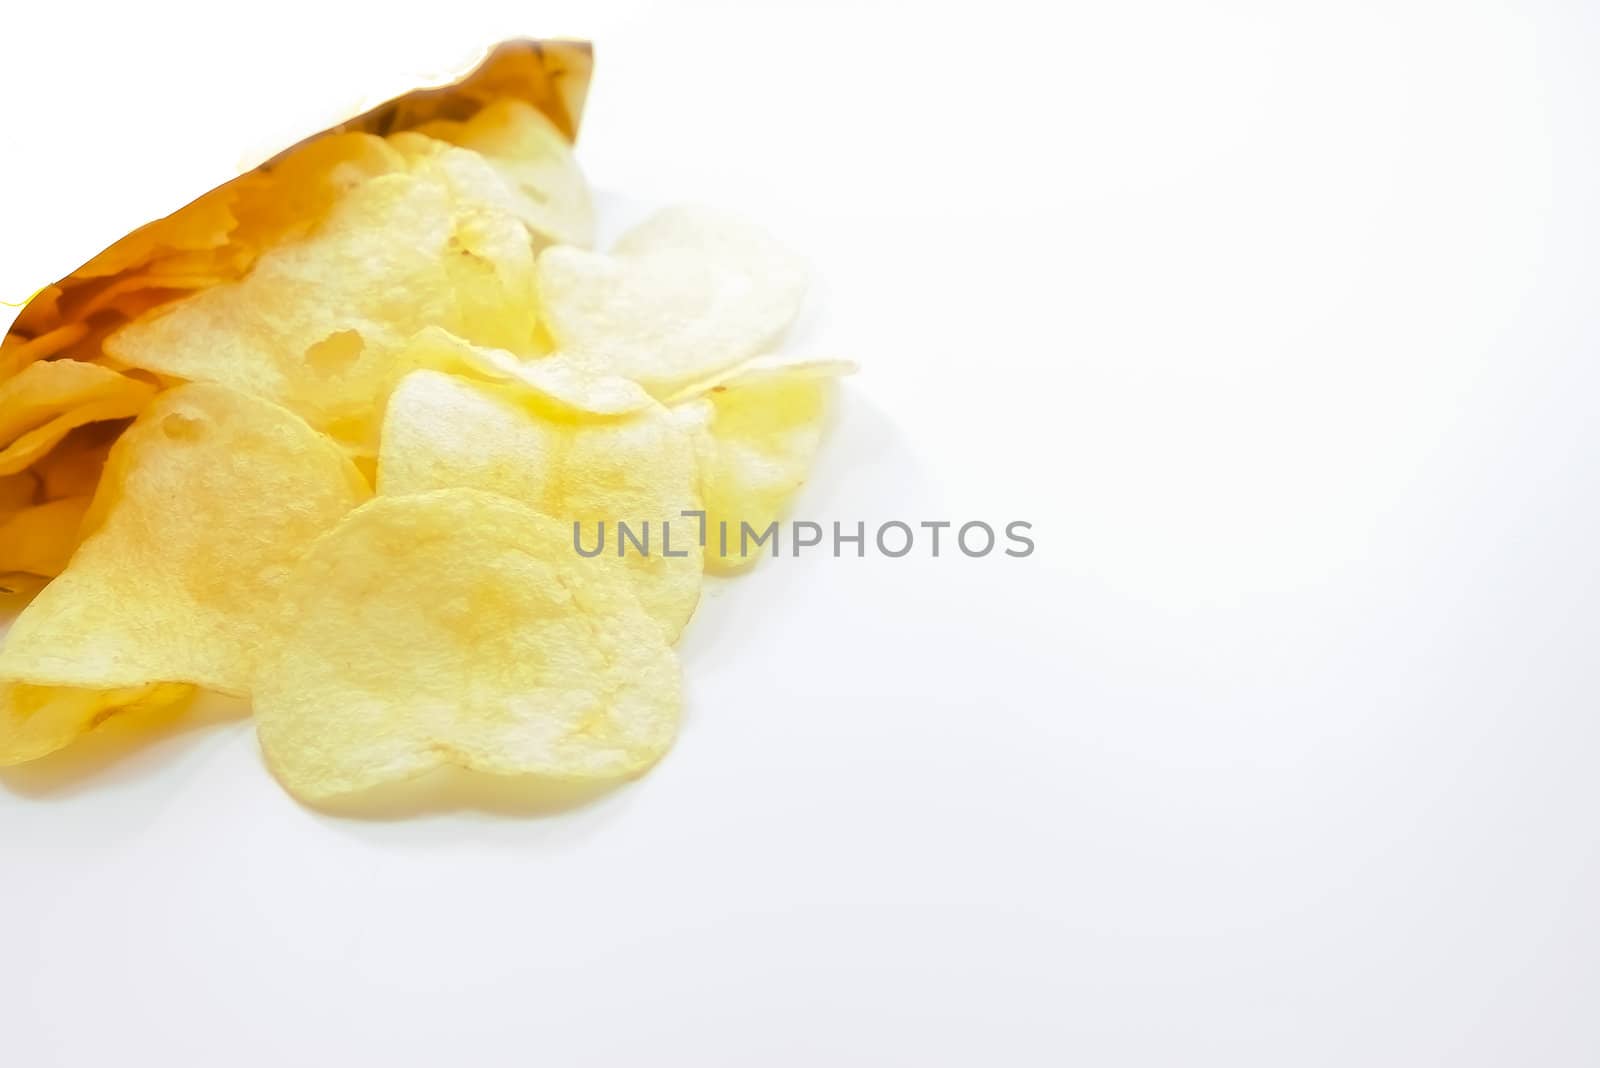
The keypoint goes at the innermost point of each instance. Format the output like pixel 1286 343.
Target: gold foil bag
pixel 553 76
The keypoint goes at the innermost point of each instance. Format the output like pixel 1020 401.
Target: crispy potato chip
pixel 319 324
pixel 36 721
pixel 206 502
pixel 460 628
pixel 202 224
pixel 413 311
pixel 18 354
pixel 473 183
pixel 40 539
pixel 755 444
pixel 443 431
pixel 536 164
pixel 497 274
pixel 554 379
pixel 42 391
pixel 682 297
pixel 89 346
pixel 114 296
pixel 26 450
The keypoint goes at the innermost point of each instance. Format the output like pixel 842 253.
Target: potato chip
pixel 442 431
pixel 318 324
pixel 755 444
pixel 36 721
pixel 26 450
pixel 460 628
pixel 553 380
pixel 141 283
pixel 682 297
pixel 472 181
pixel 40 539
pixel 368 436
pixel 206 502
pixel 497 273
pixel 535 162
pixel 42 391
pixel 18 354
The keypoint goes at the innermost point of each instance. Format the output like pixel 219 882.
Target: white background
pixel 1278 322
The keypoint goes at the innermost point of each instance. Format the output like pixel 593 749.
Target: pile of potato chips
pixel 321 439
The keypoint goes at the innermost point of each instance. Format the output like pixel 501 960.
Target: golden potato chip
pixel 39 539
pixel 755 444
pixel 36 721
pixel 113 296
pixel 206 502
pixel 26 450
pixel 319 323
pixel 682 297
pixel 203 224
pixel 18 354
pixel 460 628
pixel 42 391
pixel 535 162
pixel 442 431
pixel 552 379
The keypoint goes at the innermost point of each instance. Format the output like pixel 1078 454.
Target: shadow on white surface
pixel 125 747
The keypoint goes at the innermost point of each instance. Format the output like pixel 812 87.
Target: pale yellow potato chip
pixel 755 444
pixel 40 538
pixel 36 721
pixel 472 181
pixel 552 379
pixel 206 502
pixel 44 390
pixel 684 296
pixel 28 449
pixel 319 324
pixel 443 431
pixel 496 276
pixel 459 628
pixel 535 162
